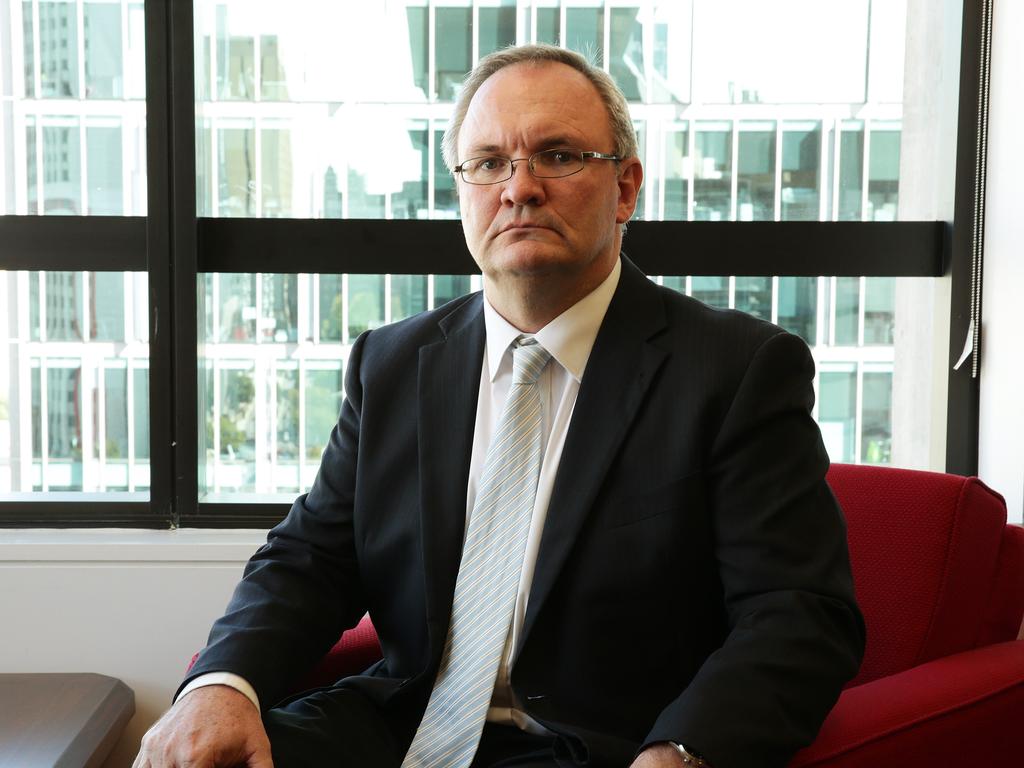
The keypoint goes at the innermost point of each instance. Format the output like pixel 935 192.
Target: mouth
pixel 521 226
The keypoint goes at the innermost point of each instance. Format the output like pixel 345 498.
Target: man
pixel 587 515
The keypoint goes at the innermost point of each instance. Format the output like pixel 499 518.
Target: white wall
pixel 130 604
pixel 1001 426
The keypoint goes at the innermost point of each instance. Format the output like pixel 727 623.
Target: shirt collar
pixel 569 337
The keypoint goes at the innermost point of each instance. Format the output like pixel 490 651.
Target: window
pixel 323 208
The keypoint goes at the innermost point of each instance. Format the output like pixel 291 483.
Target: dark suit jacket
pixel 693 581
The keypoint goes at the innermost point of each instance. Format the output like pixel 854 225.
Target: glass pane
pixel 74 406
pixel 626 53
pixel 712 174
pixel 847 320
pixel 837 413
pixel 497 27
pixel 876 438
pixel 678 172
pixel 851 171
pixel 103 157
pixel 711 290
pixel 801 171
pixel 798 307
pixel 270 391
pixel 754 296
pixel 104 69
pixel 72 108
pixel 879 310
pixel 453 50
pixel 756 172
pixel 548 26
pixel 584 32
pixel 884 174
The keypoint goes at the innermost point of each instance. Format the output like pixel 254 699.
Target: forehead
pixel 528 104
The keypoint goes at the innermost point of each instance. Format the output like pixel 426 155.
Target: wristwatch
pixel 689 756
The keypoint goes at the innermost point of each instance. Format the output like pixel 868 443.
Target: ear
pixel 631 176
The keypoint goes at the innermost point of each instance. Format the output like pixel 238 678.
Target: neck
pixel 529 302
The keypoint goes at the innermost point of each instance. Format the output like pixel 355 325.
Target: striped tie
pixel 485 591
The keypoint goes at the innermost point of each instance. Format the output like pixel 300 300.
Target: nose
pixel 523 188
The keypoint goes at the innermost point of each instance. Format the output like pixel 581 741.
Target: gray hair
pixel 618 112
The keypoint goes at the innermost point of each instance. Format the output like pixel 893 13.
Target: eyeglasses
pixel 549 164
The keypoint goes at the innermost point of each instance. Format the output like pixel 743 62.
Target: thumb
pixel 260 758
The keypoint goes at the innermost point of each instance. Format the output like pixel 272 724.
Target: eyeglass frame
pixel 584 156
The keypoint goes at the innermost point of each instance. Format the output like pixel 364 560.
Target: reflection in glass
pixel 58 50
pixel 710 290
pixel 847 310
pixel 419 44
pixel 548 26
pixel 408 295
pixel 70 401
pixel 101 24
pixel 62 169
pixel 448 287
pixel 497 27
pixel 115 426
pixel 851 171
pixel 273 85
pixel 678 172
pixel 365 303
pixel 798 307
pixel 756 172
pixel 712 173
pixel 237 307
pixel 837 413
pixel 323 404
pixel 584 32
pixel 754 296
pixel 235 55
pixel 276 158
pixel 279 320
pixel 106 306
pixel 237 179
pixel 876 423
pixel 801 171
pixel 103 160
pixel 626 53
pixel 445 198
pixel 453 50
pixel 236 428
pixel 286 418
pixel 879 310
pixel 883 174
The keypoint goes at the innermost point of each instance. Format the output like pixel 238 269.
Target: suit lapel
pixel 448 385
pixel 620 369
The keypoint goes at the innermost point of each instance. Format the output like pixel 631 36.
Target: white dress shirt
pixel 569 338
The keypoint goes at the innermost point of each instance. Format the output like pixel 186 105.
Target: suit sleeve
pixel 301 589
pixel 795 632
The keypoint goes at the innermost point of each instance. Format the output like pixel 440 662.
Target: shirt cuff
pixel 229 679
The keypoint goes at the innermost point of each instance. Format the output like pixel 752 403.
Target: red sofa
pixel 940 579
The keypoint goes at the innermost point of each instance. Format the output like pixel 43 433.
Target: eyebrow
pixel 548 143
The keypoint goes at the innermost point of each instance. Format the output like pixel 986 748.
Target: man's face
pixel 565 228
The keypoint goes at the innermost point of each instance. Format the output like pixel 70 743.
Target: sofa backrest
pixel 936 568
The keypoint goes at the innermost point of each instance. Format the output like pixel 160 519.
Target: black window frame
pixel 174 245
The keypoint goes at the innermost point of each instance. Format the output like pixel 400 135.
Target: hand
pixel 659 755
pixel 212 727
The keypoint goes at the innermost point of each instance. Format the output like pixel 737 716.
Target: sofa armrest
pixel 357 649
pixel 966 705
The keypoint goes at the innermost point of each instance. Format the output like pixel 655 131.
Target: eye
pixel 563 157
pixel 490 163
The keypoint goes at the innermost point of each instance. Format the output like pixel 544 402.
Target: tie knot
pixel 528 360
